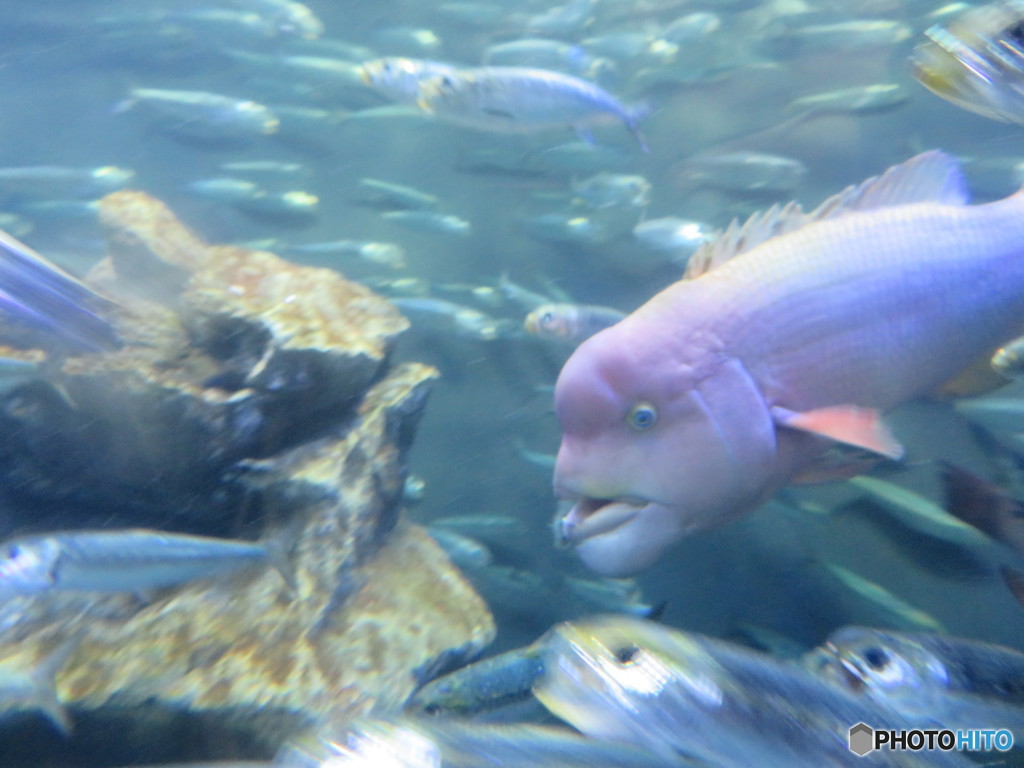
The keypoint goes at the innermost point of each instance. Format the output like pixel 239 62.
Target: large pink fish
pixel 791 335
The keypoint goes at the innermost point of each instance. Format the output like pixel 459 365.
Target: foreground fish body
pixel 717 392
pixel 450 743
pixel 977 62
pixel 118 561
pixel 677 693
pixel 484 687
pixel 929 679
pixel 523 100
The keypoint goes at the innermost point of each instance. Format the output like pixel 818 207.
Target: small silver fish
pixel 289 17
pixel 409 287
pixel 408 41
pixel 463 551
pixel 861 99
pixel 132 560
pixel 524 297
pixel 572 323
pixel 485 295
pixel 203 115
pixel 492 529
pixel 896 609
pixel 448 317
pixel 673 235
pixel 295 204
pixel 692 26
pixel 610 190
pixel 60 181
pixel 224 189
pixel 849 35
pixel 269 169
pixel 746 172
pixel 430 221
pixel 605 595
pixel 387 255
pixel 390 195
pixel 540 53
pixel 524 100
pixel 568 228
pixel 562 20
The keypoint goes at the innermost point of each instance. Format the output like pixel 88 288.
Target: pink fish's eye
pixel 642 416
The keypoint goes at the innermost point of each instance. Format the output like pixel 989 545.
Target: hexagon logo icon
pixel 862 739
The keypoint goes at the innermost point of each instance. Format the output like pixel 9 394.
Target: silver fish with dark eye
pixel 133 560
pixel 680 693
pixel 572 323
pixel 976 61
pixel 401 79
pixel 930 679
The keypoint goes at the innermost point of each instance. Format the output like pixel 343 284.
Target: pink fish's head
pixel 656 445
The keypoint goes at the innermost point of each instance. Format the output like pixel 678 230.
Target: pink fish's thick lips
pixel 590 517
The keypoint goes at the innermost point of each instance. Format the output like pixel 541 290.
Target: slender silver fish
pixel 132 560
pixel 930 679
pixel 524 100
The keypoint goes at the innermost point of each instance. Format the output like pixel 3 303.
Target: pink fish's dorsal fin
pixel 738 238
pixel 932 176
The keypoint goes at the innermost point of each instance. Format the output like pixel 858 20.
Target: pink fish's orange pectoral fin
pixel 850 424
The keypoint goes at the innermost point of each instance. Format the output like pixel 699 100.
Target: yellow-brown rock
pixel 250 397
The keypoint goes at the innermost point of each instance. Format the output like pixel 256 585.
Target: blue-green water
pixel 68 68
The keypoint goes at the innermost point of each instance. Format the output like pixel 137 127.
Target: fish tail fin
pixel 44 686
pixel 976 501
pixel 635 114
pixel 279 556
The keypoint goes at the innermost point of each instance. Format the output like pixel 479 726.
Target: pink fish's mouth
pixel 590 517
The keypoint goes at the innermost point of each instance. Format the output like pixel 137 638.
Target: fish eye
pixel 13 552
pixel 446 81
pixel 642 416
pixel 627 654
pixel 876 657
pixel 1016 33
pixel 547 319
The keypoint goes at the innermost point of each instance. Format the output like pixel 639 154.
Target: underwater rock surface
pixel 251 398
